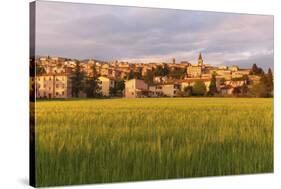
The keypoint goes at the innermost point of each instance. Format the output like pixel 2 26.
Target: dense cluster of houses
pixel 55 79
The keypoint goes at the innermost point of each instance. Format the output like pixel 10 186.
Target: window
pixel 57 85
pixel 62 92
pixel 62 85
pixel 57 93
pixel 50 78
pixel 57 79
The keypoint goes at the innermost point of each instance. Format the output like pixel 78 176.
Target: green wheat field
pixel 117 140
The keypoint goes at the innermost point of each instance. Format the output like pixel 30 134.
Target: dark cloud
pixel 115 32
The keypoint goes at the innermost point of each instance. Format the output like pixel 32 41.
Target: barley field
pixel 117 140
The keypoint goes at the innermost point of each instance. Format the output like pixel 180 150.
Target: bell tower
pixel 200 60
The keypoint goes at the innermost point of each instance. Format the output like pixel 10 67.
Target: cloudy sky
pixel 152 35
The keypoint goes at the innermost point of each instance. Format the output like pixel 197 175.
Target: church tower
pixel 200 60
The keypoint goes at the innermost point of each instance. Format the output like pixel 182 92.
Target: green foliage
pixel 256 70
pixel 236 91
pixel 117 140
pixel 134 75
pixel 199 88
pixel 131 75
pixel 118 88
pixel 259 90
pixel 178 73
pixel 162 71
pixel 222 81
pixel 92 86
pixel 188 90
pixel 265 87
pixel 148 78
pixel 269 83
pixel 213 85
pixel 77 78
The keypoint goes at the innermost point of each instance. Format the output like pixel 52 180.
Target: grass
pixel 100 141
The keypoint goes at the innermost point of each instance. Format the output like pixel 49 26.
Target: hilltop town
pixel 58 77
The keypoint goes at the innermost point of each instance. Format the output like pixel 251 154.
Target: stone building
pixel 196 70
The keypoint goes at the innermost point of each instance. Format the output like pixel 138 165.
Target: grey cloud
pixel 264 61
pixel 114 32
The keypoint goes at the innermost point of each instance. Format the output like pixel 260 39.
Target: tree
pixel 112 91
pixel 134 75
pixel 236 91
pixel 138 75
pixel 259 90
pixel 162 71
pixel 267 82
pixel 199 88
pixel 213 85
pixel 178 73
pixel 270 81
pixel 148 77
pixel 131 75
pixel 260 71
pixel 256 70
pixel 166 70
pixel 120 85
pixel 118 89
pixel 92 86
pixel 77 80
pixel 188 90
pixel 222 81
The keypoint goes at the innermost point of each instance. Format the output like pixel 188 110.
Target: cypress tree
pixel 213 85
pixel 270 81
pixel 77 80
